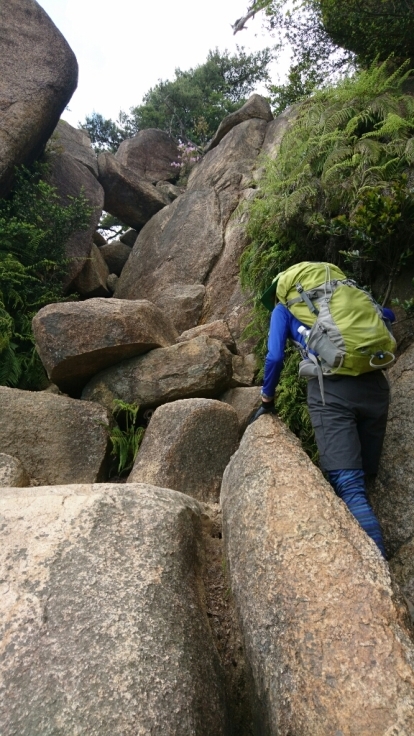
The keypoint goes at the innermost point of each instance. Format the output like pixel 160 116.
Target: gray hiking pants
pixel 350 427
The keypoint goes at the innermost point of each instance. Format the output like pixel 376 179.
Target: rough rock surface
pixel 112 281
pixel 255 107
pixel 129 237
pixel 70 177
pixel 326 638
pixel 149 154
pixel 199 368
pixel 12 472
pixel 224 296
pixel 39 74
pixel 76 143
pixel 104 630
pixel 57 439
pixel 182 302
pixel 116 255
pixel 179 245
pixel 218 330
pixel 170 190
pixel 245 368
pixel 245 401
pixel 187 446
pixel 228 167
pixel 127 196
pixel 393 493
pixel 76 340
pixel 91 281
pixel 98 239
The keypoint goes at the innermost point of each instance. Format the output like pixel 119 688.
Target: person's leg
pixel 349 485
pixel 339 445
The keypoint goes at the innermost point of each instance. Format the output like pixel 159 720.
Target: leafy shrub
pixel 34 227
pixel 125 436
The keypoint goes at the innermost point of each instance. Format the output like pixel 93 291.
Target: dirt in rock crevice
pixel 224 625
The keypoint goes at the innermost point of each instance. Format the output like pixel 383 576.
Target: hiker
pixel 348 405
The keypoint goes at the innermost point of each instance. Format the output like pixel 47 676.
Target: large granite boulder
pixel 92 280
pixel 103 624
pixel 70 178
pixel 393 494
pixel 179 245
pixel 57 439
pixel 129 197
pixel 116 255
pixel 39 74
pixel 224 297
pixel 198 368
pixel 228 167
pixel 187 446
pixel 149 154
pixel 183 303
pixel 245 401
pixel 12 472
pixel 255 107
pixel 76 340
pixel 327 640
pixel 218 330
pixel 75 142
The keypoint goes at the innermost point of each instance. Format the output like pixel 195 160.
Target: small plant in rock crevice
pixel 188 157
pixel 125 436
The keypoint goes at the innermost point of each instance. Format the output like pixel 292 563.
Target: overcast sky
pixel 124 47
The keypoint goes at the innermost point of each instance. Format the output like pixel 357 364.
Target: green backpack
pixel 347 331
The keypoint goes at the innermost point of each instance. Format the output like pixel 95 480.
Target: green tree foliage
pixel 34 227
pixel 315 58
pixel 192 105
pixel 341 189
pixel 371 28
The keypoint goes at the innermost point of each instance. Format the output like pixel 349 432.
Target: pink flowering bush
pixel 188 157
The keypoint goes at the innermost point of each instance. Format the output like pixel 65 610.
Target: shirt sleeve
pixel 388 314
pixel 278 335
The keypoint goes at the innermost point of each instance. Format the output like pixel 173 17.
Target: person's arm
pixel 278 334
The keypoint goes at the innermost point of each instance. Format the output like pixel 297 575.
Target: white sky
pixel 124 47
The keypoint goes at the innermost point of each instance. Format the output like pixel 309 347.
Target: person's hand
pixel 266 407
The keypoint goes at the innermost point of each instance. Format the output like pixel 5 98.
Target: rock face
pixel 218 330
pixel 325 636
pixel 12 472
pixel 116 255
pixel 199 368
pixel 57 440
pixel 393 495
pixel 38 74
pixel 104 630
pixel 127 196
pixel 149 154
pixel 228 168
pixel 179 245
pixel 187 446
pixel 255 107
pixel 245 401
pixel 183 303
pixel 92 280
pixel 76 143
pixel 70 177
pixel 75 340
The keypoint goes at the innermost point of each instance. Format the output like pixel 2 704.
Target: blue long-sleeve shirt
pixel 284 326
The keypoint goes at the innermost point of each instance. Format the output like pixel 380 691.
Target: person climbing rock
pixel 345 341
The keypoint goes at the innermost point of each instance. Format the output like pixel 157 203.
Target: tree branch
pixel 239 24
